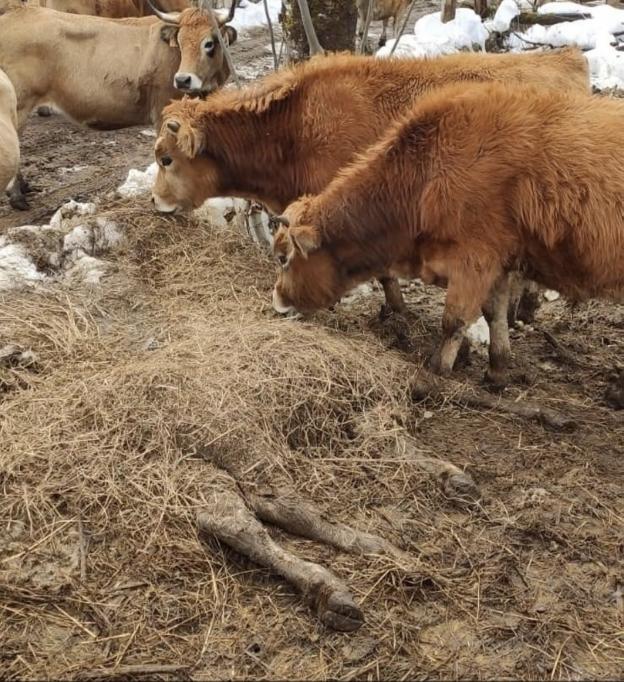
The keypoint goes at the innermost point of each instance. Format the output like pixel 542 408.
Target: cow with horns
pixel 111 73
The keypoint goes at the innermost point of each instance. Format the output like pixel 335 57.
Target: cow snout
pixel 279 305
pixel 162 206
pixel 188 82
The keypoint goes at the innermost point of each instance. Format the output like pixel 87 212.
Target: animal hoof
pixel 19 203
pixel 341 613
pixel 614 395
pixel 496 380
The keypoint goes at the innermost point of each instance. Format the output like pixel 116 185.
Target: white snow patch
pixel 606 65
pixel 433 38
pixel 16 268
pixel 252 15
pixel 551 295
pixel 138 182
pixel 71 209
pixel 479 332
pixel 506 12
pixel 360 291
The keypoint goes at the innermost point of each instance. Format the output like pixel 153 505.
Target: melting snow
pixel 138 182
pixel 479 332
pixel 252 15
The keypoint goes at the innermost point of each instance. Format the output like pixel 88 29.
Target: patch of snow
pixel 36 254
pixel 16 268
pixel 148 132
pixel 506 12
pixel 563 7
pixel 360 291
pixel 479 332
pixel 551 295
pixel 70 209
pixel 433 38
pixel 253 15
pixel 606 65
pixel 138 182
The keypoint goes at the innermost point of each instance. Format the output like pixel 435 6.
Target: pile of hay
pixel 173 379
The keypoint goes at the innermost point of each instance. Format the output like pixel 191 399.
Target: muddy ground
pixel 103 455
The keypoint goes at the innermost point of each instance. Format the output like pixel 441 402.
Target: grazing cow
pixel 110 73
pixel 9 144
pixel 383 10
pixel 476 181
pixel 290 134
pixel 113 9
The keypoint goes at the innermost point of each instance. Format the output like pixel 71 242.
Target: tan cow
pixel 113 9
pixel 291 134
pixel 110 73
pixel 475 181
pixel 383 10
pixel 9 144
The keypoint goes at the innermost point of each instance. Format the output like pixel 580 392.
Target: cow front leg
pixel 229 520
pixel 394 296
pixel 495 312
pixel 16 192
pixel 468 290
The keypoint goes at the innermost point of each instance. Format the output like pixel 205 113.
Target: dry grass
pixel 175 379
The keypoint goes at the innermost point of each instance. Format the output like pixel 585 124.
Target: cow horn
pixel 171 18
pixel 283 219
pixel 224 16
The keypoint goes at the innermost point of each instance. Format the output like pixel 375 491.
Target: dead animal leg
pixel 455 483
pixel 393 293
pixel 229 520
pixel 467 397
pixel 495 312
pixel 297 516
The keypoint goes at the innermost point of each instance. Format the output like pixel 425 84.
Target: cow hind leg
pixel 384 33
pixel 495 312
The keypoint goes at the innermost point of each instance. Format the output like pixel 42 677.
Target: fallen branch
pixel 473 397
pixel 229 520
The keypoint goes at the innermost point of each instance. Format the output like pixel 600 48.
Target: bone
pixel 228 519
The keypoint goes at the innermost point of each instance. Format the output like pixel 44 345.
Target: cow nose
pixel 182 81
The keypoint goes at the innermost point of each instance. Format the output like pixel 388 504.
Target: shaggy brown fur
pixel 291 133
pixel 475 182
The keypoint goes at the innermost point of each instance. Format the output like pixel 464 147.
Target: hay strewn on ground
pixel 174 378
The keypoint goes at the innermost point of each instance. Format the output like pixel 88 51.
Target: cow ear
pixel 305 239
pixel 189 140
pixel 169 34
pixel 230 34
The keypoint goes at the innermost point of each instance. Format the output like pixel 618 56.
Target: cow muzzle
pixel 187 82
pixel 280 306
pixel 162 206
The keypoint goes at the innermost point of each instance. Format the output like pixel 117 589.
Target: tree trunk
pixel 334 21
pixel 448 10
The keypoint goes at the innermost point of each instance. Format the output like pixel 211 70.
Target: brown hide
pixel 475 181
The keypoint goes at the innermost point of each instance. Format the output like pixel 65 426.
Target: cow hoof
pixel 19 203
pixel 614 396
pixel 25 187
pixel 496 380
pixel 341 613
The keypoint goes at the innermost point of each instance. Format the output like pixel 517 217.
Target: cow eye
pixel 209 46
pixel 282 259
pixel 166 160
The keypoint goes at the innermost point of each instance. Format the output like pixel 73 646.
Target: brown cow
pixel 9 144
pixel 110 73
pixel 290 134
pixel 383 10
pixel 476 181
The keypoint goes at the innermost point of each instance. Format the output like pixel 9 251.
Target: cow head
pixel 310 276
pixel 203 66
pixel 186 176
